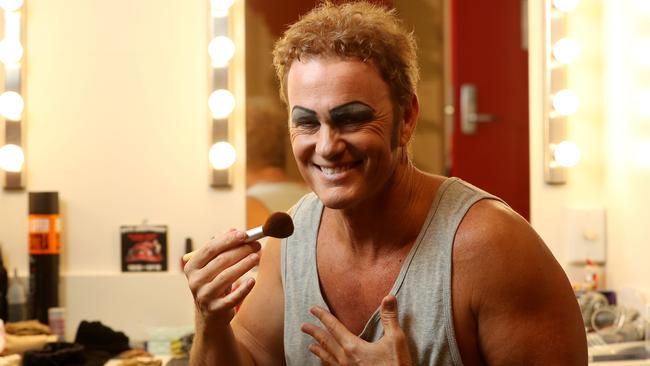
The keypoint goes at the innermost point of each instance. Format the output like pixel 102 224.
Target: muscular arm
pixel 254 336
pixel 259 324
pixel 204 352
pixel 513 304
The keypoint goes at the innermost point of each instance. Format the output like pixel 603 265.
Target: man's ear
pixel 411 113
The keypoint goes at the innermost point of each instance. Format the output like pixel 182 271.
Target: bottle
pixel 594 276
pixel 189 247
pixel 17 299
pixel 57 322
pixel 3 289
pixel 44 249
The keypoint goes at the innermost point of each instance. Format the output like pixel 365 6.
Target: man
pixel 474 283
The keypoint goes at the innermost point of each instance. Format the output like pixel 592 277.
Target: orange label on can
pixel 44 235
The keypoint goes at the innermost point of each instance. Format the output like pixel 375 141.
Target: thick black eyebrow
pixel 356 108
pixel 298 112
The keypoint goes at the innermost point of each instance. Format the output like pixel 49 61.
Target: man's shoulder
pixel 491 222
pixel 492 239
pixel 497 250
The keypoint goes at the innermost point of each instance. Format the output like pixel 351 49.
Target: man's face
pixel 340 123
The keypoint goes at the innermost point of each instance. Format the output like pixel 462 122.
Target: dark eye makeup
pixel 303 116
pixel 353 112
pixel 348 113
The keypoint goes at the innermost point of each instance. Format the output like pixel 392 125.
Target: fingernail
pixel 240 235
pixel 390 305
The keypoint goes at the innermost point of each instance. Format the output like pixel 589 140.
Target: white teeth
pixel 332 171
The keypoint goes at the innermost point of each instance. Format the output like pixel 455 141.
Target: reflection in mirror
pixel 428 145
pixel 273 181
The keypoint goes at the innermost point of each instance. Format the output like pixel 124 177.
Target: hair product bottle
pixel 44 249
pixel 17 299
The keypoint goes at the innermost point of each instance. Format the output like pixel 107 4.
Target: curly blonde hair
pixel 358 30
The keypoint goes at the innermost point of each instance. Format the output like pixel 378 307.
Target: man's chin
pixel 338 201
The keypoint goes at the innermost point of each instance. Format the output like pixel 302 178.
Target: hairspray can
pixel 44 249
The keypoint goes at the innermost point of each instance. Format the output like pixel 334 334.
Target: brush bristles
pixel 278 225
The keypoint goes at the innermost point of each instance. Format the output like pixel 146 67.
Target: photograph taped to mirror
pixel 144 248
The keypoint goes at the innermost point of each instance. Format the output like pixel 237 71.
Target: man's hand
pixel 336 345
pixel 213 269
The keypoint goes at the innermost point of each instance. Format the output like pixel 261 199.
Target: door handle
pixel 469 116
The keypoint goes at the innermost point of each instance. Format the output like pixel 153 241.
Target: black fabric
pixel 95 336
pixel 96 358
pixel 56 354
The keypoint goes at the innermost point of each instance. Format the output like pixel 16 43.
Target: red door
pixel 488 56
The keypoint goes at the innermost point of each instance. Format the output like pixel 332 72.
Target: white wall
pixel 627 144
pixel 117 122
pixel 607 131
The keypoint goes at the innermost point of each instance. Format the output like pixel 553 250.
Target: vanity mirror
pixel 273 181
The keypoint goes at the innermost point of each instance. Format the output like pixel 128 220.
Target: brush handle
pixel 252 235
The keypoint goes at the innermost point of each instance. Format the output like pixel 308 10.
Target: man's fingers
pixel 220 282
pixel 324 339
pixel 213 248
pixel 389 314
pixel 200 277
pixel 238 295
pixel 321 353
pixel 229 258
pixel 345 338
pixel 237 270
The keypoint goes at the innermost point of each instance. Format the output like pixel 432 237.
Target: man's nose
pixel 329 143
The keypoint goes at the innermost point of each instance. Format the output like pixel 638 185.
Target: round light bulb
pixel 11 105
pixel 221 103
pixel 566 102
pixel 566 50
pixel 644 52
pixel 11 5
pixel 11 51
pixel 12 25
pixel 222 155
pixel 566 6
pixel 12 158
pixel 221 50
pixel 567 154
pixel 220 7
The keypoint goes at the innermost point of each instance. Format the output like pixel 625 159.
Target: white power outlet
pixel 586 235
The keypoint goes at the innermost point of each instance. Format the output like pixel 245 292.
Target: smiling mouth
pixel 337 169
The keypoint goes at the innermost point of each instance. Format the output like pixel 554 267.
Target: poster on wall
pixel 144 248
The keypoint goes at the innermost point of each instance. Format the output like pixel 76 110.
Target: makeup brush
pixel 278 225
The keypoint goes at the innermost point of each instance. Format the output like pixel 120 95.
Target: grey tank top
pixel 422 288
